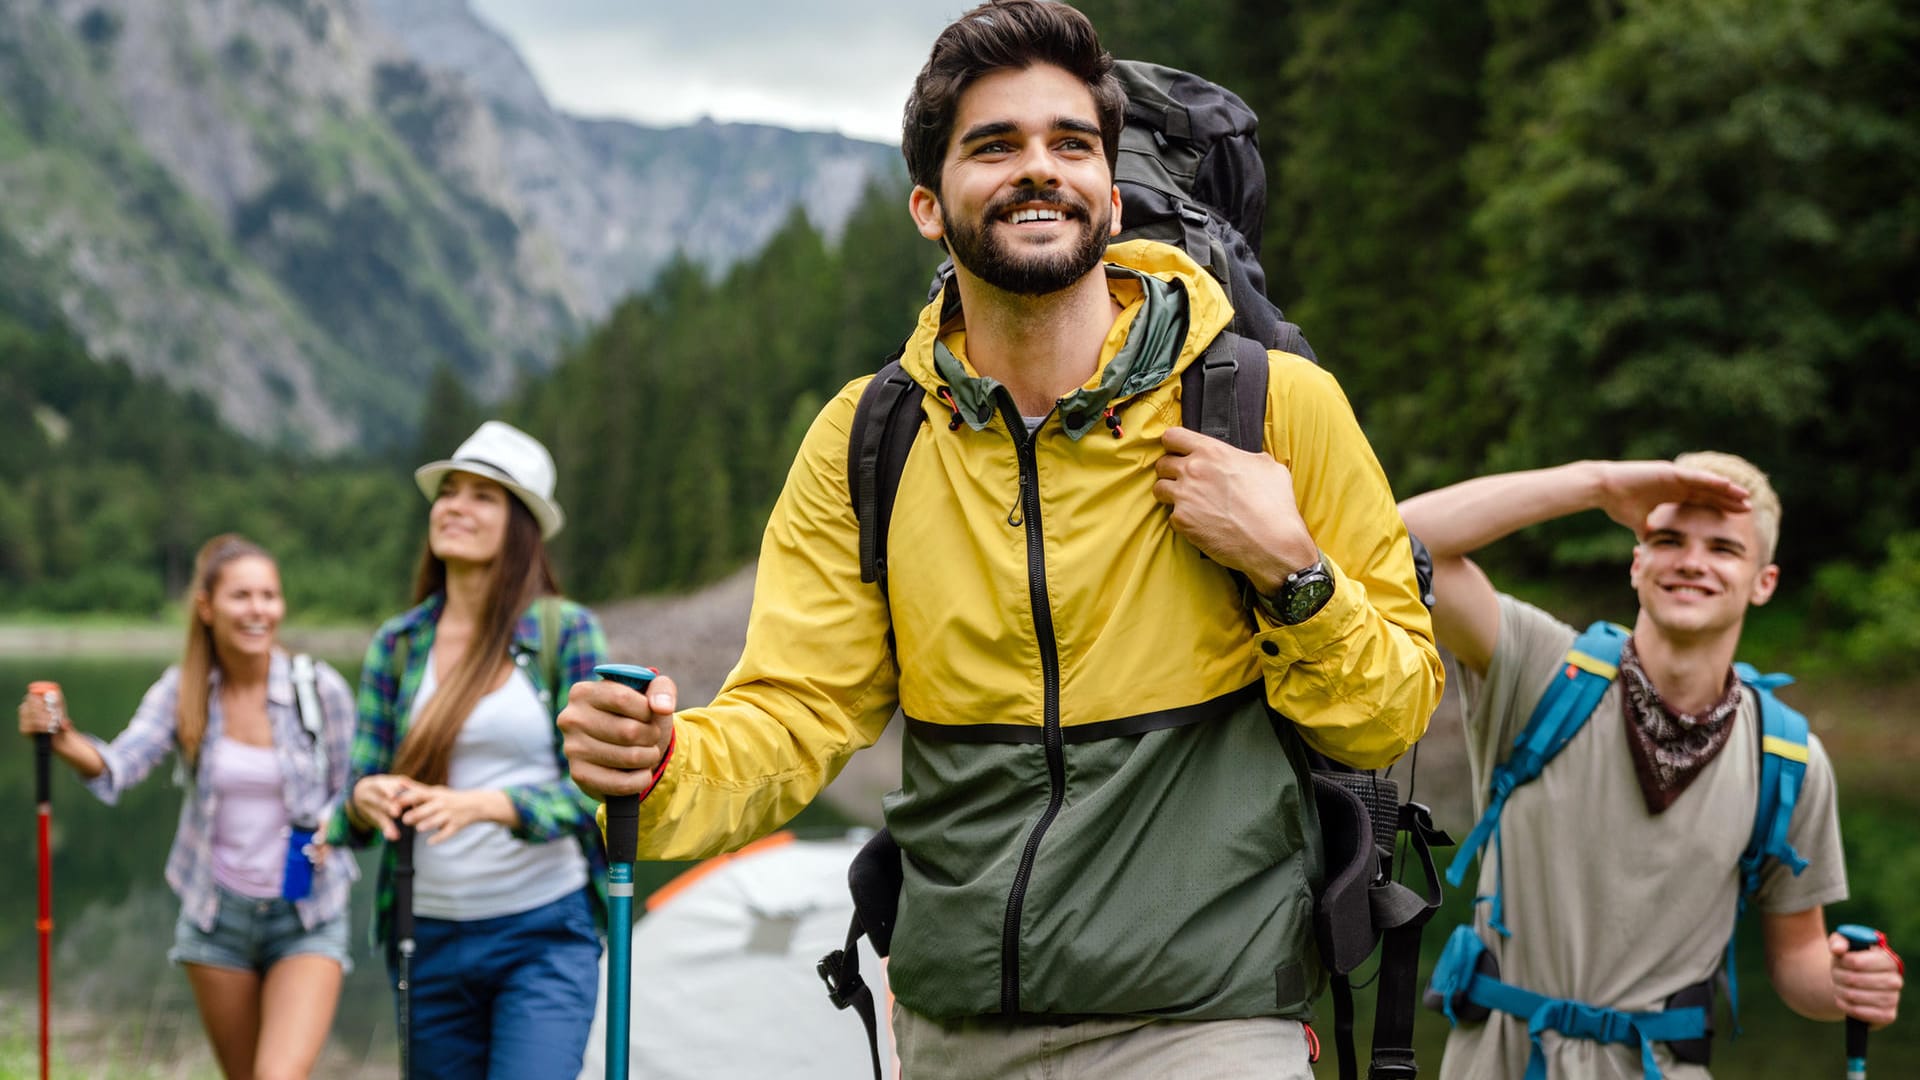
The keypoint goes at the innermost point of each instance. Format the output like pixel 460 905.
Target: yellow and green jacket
pixel 1101 809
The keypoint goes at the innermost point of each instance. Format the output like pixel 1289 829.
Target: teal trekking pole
pixel 1859 939
pixel 623 838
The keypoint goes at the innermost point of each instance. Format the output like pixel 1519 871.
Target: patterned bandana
pixel 1670 750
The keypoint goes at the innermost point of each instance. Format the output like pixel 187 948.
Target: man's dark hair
pixel 998 35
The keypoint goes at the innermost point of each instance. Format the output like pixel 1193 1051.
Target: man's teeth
pixel 1021 217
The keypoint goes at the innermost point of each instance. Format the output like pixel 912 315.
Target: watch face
pixel 1306 596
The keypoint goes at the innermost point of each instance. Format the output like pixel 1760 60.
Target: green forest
pixel 1520 232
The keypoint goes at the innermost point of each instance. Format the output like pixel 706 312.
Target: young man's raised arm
pixel 1456 521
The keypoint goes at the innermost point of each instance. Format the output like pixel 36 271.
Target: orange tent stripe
pixel 679 885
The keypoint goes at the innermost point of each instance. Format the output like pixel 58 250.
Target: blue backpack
pixel 1592 664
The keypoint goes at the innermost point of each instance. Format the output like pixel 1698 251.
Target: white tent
pixel 723 971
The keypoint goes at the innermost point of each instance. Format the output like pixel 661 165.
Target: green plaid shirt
pixel 396 660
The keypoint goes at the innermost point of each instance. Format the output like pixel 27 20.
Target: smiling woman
pixel 262 740
pixel 456 740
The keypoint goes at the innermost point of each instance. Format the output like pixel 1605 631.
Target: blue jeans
pixel 511 997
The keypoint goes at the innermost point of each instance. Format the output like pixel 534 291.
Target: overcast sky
pixel 817 65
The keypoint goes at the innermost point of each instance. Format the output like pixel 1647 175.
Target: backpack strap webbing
pixel 885 423
pixel 840 970
pixel 1223 393
pixel 1570 698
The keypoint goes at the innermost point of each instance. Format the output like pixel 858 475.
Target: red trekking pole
pixel 49 693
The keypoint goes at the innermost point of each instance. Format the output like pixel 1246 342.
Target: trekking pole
pixel 48 692
pixel 403 943
pixel 623 838
pixel 1859 938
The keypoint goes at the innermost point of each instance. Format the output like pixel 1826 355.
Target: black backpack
pixel 1190 175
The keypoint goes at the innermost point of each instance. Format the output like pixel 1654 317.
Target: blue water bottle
pixel 297 881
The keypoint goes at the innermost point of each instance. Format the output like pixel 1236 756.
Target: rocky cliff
pixel 301 208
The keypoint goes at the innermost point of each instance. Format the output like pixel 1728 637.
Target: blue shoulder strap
pixel 1783 768
pixel 1570 698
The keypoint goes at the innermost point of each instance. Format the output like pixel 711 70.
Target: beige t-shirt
pixel 1608 904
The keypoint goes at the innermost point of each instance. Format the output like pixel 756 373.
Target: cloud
pixel 823 65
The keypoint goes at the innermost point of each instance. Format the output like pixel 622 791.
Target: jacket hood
pixel 1171 309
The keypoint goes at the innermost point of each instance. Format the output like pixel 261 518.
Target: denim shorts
pixel 253 935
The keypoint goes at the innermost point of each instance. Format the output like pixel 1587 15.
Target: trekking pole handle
pixel 1859 939
pixel 623 811
pixel 49 693
pixel 42 768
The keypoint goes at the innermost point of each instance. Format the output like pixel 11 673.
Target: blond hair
pixel 1766 504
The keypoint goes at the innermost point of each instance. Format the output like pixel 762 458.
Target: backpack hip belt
pixel 1460 976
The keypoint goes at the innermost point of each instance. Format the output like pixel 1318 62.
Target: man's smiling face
pixel 1697 569
pixel 1027 202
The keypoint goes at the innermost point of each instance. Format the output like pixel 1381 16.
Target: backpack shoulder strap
pixel 306 698
pixel 1591 666
pixel 1783 769
pixel 885 423
pixel 547 610
pixel 1223 393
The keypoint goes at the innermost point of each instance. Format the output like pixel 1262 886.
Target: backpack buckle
pixel 1191 214
pixel 1392 1070
pixel 842 987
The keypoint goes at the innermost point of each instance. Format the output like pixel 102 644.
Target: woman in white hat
pixel 456 738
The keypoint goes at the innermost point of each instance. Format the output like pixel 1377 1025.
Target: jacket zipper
pixel 1056 756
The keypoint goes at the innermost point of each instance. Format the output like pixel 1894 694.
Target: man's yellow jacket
pixel 1104 806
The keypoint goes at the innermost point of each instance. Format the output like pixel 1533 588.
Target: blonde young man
pixel 1108 862
pixel 1620 881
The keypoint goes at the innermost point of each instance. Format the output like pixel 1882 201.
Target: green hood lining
pixel 1145 360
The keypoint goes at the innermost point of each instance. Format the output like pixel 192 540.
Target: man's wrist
pixel 1268 579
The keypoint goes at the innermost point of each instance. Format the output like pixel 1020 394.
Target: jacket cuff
pixel 1282 646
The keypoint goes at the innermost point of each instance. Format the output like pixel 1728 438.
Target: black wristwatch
pixel 1300 597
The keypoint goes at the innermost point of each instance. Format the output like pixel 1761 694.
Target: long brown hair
pixel 521 574
pixel 196 665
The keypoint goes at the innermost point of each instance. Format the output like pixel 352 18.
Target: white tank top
pixel 249 818
pixel 483 872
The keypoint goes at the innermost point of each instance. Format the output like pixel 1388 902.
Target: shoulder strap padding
pixel 547 611
pixel 1223 392
pixel 885 423
pixel 306 697
pixel 1783 769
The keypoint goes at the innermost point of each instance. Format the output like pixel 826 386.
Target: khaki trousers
pixel 1122 1048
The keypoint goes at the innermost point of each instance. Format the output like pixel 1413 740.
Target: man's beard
pixel 982 251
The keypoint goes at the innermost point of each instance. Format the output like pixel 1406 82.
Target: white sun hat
pixel 515 459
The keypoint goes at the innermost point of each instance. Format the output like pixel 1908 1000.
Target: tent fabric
pixel 723 970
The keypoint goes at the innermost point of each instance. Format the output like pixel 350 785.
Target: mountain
pixel 301 208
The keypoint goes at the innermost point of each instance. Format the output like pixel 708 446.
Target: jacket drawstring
pixel 946 395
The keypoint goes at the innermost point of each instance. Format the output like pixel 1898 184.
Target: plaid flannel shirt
pixel 151 737
pixel 548 811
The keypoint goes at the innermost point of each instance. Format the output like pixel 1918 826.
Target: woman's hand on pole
pixel 36 718
pixel 616 736
pixel 376 802
pixel 438 812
